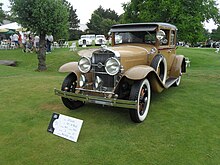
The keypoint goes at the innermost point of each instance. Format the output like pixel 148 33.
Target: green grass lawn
pixel 182 127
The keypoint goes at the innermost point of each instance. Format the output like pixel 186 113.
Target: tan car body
pixel 142 59
pixel 136 60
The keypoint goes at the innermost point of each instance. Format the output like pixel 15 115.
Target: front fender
pixel 138 72
pixel 142 71
pixel 70 67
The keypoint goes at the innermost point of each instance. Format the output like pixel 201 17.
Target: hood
pixel 131 50
pixel 132 55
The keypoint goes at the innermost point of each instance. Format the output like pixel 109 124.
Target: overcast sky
pixel 84 8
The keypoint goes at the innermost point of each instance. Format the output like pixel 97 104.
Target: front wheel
pixel 69 85
pixel 140 92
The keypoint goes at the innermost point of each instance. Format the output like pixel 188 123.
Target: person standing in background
pixel 15 39
pixel 19 39
pixel 36 43
pixel 49 40
pixel 11 38
pixel 24 41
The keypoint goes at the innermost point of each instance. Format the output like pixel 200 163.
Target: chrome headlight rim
pixel 116 62
pixel 86 69
pixel 98 82
pixel 82 80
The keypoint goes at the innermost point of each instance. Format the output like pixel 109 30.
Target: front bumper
pixel 97 99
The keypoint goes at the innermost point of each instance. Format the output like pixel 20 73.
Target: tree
pixel 42 17
pixel 102 20
pixel 215 35
pixel 188 16
pixel 73 21
pixel 74 24
pixel 2 14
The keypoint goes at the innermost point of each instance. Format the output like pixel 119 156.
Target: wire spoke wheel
pixel 140 92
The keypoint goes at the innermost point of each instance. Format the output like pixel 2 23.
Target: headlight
pixel 84 65
pixel 82 81
pixel 98 82
pixel 112 66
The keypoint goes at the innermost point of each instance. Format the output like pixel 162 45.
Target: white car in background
pixel 85 40
pixel 91 36
pixel 100 40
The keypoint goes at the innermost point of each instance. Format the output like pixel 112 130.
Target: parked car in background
pixel 85 40
pixel 216 44
pixel 100 40
pixel 142 60
pixel 91 36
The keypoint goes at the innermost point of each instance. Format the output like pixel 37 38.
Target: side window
pixel 172 39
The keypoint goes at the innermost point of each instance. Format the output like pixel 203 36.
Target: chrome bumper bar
pixel 97 99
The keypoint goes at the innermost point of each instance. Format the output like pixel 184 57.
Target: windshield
pixel 87 36
pixel 83 36
pixel 135 37
pixel 100 37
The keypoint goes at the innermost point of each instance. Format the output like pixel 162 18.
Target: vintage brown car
pixel 142 59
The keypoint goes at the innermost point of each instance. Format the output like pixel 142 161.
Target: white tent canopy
pixel 13 26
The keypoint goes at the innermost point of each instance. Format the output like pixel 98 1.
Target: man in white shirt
pixel 36 42
pixel 24 42
pixel 49 40
pixel 15 39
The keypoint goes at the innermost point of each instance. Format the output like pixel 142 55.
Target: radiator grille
pixel 98 67
pixel 108 81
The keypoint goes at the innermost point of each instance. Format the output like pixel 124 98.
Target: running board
pixel 170 82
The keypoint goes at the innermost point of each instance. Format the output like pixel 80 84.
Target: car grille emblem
pixel 100 65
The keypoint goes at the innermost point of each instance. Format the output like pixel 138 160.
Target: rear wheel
pixel 140 92
pixel 69 85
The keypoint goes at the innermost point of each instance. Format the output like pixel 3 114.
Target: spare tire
pixel 160 66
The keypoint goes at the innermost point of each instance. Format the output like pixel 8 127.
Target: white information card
pixel 65 126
